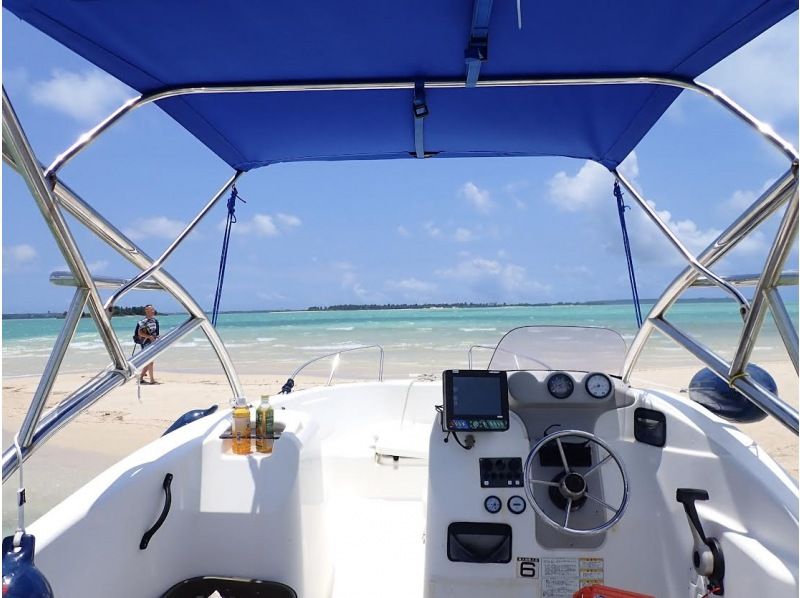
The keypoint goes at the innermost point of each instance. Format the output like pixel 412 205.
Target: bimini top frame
pixel 52 195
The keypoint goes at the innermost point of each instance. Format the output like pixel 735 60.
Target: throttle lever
pixel 707 556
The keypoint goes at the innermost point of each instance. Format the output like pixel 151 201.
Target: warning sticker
pixel 562 577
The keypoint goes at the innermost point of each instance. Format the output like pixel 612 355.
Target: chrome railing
pixel 85 396
pixel 473 347
pixel 66 279
pixel 287 388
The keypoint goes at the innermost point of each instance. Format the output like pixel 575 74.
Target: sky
pixel 402 231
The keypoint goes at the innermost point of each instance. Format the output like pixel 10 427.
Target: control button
pixel 492 504
pixel 517 504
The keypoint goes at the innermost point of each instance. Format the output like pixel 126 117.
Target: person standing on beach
pixel 148 332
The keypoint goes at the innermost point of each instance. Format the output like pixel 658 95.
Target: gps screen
pixel 475 400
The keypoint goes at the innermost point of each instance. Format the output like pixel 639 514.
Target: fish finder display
pixel 475 400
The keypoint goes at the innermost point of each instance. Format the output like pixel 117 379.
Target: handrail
pixel 336 354
pixel 469 353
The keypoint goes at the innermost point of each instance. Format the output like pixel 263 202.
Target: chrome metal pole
pixel 112 236
pixel 676 242
pixel 783 322
pixel 130 251
pixel 303 366
pixel 778 252
pixel 761 209
pixel 472 348
pixel 156 265
pixel 224 358
pixel 53 364
pixel 90 393
pixel 87 138
pixel 756 393
pixel 787 278
pixel 42 193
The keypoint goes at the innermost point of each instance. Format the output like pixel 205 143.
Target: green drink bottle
pixel 265 417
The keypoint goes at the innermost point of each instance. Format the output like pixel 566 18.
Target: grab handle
pixel 161 518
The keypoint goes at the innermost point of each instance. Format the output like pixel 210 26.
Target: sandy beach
pixel 121 423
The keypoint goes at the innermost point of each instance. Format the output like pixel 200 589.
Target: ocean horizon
pixel 416 341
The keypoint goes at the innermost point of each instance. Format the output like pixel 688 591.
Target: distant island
pixel 373 306
pixel 137 310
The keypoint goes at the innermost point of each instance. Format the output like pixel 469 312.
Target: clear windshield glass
pixel 572 348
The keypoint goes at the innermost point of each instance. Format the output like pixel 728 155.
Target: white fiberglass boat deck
pixel 328 515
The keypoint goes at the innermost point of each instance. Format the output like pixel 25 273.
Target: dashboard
pixel 479 511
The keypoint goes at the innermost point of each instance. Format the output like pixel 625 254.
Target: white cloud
pixel 289 220
pixel 18 255
pixel 590 186
pixel 740 200
pixel 87 96
pixel 488 275
pixel 349 280
pixel 403 231
pixel 263 225
pixel 412 285
pixel 433 231
pixel 586 189
pixel 480 199
pixel 770 63
pixel 98 266
pixel 158 226
pixel 463 235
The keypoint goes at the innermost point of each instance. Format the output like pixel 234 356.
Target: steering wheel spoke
pixel 572 486
pixel 597 466
pixel 601 502
pixel 563 455
pixel 545 483
pixel 569 510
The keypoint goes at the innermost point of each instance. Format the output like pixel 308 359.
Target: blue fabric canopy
pixel 157 44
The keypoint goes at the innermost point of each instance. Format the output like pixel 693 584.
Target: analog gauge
pixel 517 504
pixel 560 385
pixel 598 385
pixel 492 504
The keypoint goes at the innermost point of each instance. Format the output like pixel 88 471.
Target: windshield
pixel 575 348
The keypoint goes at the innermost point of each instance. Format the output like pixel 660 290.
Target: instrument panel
pixel 562 389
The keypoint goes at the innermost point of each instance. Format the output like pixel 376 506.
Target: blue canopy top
pixel 155 44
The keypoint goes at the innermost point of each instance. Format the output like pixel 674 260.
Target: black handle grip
pixel 164 512
pixel 687 497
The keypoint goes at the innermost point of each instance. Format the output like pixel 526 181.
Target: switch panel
pixel 501 472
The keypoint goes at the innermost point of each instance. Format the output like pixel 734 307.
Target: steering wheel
pixel 571 489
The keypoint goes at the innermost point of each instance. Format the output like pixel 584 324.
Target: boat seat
pixel 410 441
pixel 229 587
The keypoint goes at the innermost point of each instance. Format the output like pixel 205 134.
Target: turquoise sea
pixel 415 340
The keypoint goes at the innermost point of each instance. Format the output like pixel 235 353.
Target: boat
pixel 546 474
